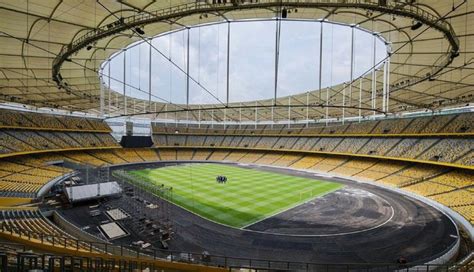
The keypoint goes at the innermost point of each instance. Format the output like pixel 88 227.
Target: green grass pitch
pixel 248 196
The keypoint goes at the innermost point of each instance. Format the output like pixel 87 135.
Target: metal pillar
pixel 388 84
pixel 289 111
pixel 384 86
pixel 273 118
pixel 199 116
pixel 109 90
pixel 352 65
pixel 374 77
pixel 277 54
pixel 187 72
pixel 187 118
pixel 327 104
pixel 240 116
pixel 228 63
pixel 225 117
pixel 124 82
pixel 320 60
pixel 360 98
pixel 212 118
pixel 256 113
pixel 101 90
pixel 307 109
pixel 149 76
pixel 343 103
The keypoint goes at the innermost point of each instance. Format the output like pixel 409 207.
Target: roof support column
pixel 199 117
pixel 228 64
pixel 225 117
pixel 149 75
pixel 388 84
pixel 327 104
pixel 374 76
pixel 352 65
pixel 289 111
pixel 187 70
pixel 360 98
pixel 109 90
pixel 187 118
pixel 256 114
pixel 307 109
pixel 240 116
pixel 384 86
pixel 343 103
pixel 124 82
pixel 212 118
pixel 320 60
pixel 277 56
pixel 166 113
pixel 101 90
pixel 273 118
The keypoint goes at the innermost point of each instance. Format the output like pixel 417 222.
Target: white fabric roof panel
pixel 34 31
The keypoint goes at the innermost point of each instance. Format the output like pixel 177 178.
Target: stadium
pixel 236 135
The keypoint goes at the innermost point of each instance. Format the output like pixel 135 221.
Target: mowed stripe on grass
pixel 249 195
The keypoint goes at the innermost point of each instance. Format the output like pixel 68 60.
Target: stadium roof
pixel 45 60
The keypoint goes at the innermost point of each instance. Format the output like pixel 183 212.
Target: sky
pixel 251 65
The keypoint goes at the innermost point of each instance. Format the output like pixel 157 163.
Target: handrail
pixel 198 7
pixel 338 135
pixel 172 256
pixel 446 164
pixel 56 129
pixel 56 150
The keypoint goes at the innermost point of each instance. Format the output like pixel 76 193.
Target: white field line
pixel 284 209
pixel 291 235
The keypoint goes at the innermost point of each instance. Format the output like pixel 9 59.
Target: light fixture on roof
pixel 416 25
pixel 140 31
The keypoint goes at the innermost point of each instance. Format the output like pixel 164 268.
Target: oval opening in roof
pixel 242 69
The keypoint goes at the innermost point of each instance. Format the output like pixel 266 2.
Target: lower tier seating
pixel 25 175
pixel 32 226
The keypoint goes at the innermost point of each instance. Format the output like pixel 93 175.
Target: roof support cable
pixel 162 54
pixel 406 43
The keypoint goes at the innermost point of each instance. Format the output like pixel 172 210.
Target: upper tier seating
pixel 449 150
pixel 34 120
pixel 452 123
pixel 12 140
pixel 22 131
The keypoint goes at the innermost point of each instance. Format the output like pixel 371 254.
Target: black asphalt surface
pixel 359 223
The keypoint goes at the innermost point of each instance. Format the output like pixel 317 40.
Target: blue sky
pixel 252 61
